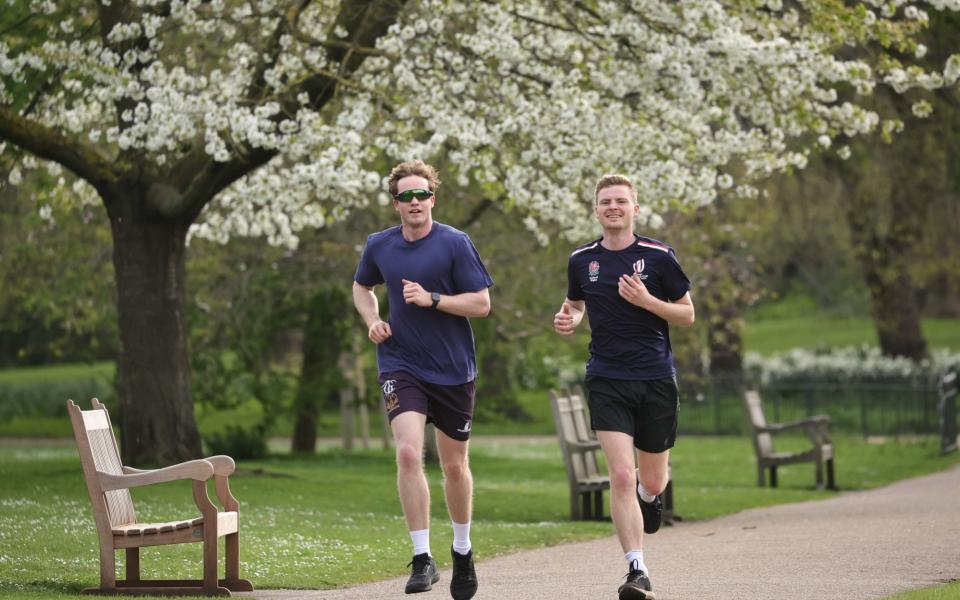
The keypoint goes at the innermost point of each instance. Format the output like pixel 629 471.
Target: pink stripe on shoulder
pixel 652 245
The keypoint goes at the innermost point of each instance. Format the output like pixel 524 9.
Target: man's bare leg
pixel 458 491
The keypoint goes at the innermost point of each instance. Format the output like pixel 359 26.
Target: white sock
pixel 644 495
pixel 461 537
pixel 421 541
pixel 635 561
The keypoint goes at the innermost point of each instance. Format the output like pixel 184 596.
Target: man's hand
pixel 413 293
pixel 563 320
pixel 379 332
pixel 633 291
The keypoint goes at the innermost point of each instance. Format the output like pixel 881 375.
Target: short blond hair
pixel 612 179
pixel 413 167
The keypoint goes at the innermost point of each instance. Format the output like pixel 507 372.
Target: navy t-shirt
pixel 627 342
pixel 432 345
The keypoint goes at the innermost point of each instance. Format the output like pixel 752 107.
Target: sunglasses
pixel 408 195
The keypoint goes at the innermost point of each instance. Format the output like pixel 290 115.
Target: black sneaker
pixel 637 586
pixel 652 513
pixel 463 584
pixel 424 574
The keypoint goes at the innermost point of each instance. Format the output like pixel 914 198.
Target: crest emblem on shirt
pixel 594 270
pixel 638 269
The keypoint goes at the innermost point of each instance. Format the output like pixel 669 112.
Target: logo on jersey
pixel 638 269
pixel 390 398
pixel 466 427
pixel 594 270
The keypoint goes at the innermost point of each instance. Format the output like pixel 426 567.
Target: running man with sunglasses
pixel 632 288
pixel 435 281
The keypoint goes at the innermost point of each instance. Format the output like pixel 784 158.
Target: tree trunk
pixel 724 339
pixel 887 197
pixel 324 339
pixel 310 393
pixel 893 295
pixel 157 424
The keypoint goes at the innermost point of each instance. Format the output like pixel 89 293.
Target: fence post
pixel 948 413
pixel 715 398
pixel 863 413
pixel 346 417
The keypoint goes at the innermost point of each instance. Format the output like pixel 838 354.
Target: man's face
pixel 616 209
pixel 416 212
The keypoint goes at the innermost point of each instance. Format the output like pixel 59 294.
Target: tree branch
pixel 365 21
pixel 83 159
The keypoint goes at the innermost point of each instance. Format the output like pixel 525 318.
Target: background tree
pixel 265 118
pixel 57 297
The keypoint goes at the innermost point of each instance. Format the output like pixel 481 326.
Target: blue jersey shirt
pixel 627 342
pixel 428 343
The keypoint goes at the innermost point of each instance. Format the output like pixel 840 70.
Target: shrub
pixel 44 392
pixel 852 364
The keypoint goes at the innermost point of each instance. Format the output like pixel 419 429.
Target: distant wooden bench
pixel 580 448
pixel 948 412
pixel 817 429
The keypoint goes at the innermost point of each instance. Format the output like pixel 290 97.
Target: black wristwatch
pixel 435 296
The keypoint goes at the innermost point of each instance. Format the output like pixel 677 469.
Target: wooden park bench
pixel 109 483
pixel 580 449
pixel 817 429
pixel 948 412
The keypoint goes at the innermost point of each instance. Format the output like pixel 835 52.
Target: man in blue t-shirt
pixel 631 288
pixel 435 280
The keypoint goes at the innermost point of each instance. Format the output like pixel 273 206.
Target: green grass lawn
pixel 334 519
pixel 776 335
pixel 947 591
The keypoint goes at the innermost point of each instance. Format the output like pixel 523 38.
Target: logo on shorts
pixel 638 269
pixel 594 270
pixel 466 427
pixel 390 398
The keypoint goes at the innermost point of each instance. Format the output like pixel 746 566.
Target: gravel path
pixel 857 545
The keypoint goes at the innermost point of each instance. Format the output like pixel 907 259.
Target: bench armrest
pixel 199 470
pixel 584 446
pixel 816 421
pixel 222 464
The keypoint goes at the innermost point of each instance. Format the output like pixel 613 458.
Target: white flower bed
pixel 851 364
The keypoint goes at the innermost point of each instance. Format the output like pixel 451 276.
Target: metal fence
pixel 715 406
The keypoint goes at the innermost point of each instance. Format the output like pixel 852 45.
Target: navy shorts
pixel 448 407
pixel 646 410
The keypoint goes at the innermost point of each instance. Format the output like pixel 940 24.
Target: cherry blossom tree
pixel 219 118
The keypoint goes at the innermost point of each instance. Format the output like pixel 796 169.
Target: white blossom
pixel 670 94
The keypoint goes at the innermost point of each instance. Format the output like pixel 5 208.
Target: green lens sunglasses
pixel 408 195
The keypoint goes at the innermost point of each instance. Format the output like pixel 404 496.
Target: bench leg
pixel 773 477
pixel 575 505
pixel 587 505
pixel 819 475
pixel 133 564
pixel 831 481
pixel 598 505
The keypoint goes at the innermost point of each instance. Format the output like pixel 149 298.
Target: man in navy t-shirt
pixel 631 288
pixel 435 280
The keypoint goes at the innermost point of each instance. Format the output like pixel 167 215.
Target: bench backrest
pixel 581 425
pixel 570 419
pixel 762 441
pixel 98 452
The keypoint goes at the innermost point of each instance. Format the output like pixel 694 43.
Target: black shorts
pixel 448 407
pixel 645 410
